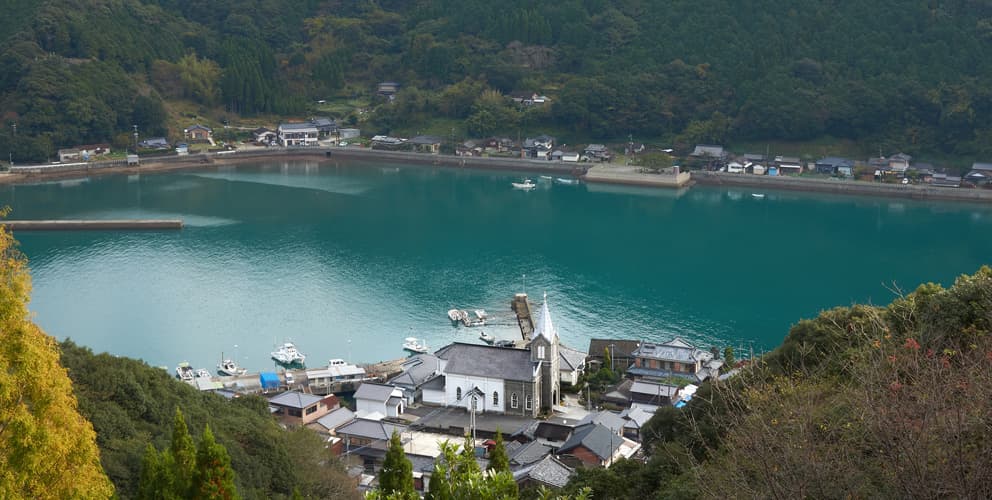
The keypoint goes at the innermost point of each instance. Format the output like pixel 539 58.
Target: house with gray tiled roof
pixel 379 400
pixel 329 423
pixel 362 432
pixel 549 472
pixel 595 445
pixel 529 453
pixel 514 381
pixel 294 407
pixel 608 419
pixel 571 364
pixel 417 371
pixel 634 420
pixel 675 358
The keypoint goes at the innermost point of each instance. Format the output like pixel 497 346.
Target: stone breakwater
pixel 845 187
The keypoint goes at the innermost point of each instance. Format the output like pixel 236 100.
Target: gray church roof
pixel 487 361
pixel 594 437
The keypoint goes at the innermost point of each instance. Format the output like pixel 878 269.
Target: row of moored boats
pixel 528 184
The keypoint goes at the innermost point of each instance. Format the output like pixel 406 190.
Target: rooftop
pixel 487 361
pixel 570 358
pixel 336 418
pixel 296 126
pixel 596 438
pixel 375 392
pixel 418 370
pixel 549 471
pixel 673 350
pixel 370 429
pixel 605 418
pixel 295 399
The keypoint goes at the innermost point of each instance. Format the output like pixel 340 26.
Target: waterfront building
pixel 617 349
pixel 197 133
pixel 418 371
pixel 675 358
pixel 297 134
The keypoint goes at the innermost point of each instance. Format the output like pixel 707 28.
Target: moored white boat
pixel 758 195
pixel 526 185
pixel 569 182
pixel 231 369
pixel 413 344
pixel 485 337
pixel 202 373
pixel 287 354
pixel 184 372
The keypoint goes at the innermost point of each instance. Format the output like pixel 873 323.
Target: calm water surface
pixel 346 261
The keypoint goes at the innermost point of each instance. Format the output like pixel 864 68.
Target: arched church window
pixel 495 398
pixel 458 393
pixel 513 400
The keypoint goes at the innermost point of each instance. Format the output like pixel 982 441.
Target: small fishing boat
pixel 231 369
pixel 202 373
pixel 526 185
pixel 184 372
pixel 758 196
pixel 413 344
pixel 481 314
pixel 567 182
pixel 456 315
pixel 545 178
pixel 287 354
pixel 485 337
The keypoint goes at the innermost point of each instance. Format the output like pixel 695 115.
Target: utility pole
pixel 135 138
pixel 612 362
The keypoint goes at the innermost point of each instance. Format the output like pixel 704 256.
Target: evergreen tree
pixel 397 471
pixel 498 460
pixel 182 457
pixel 153 478
pixel 607 359
pixel 47 449
pixel 213 478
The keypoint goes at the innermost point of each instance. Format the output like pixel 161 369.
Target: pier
pixel 102 225
pixel 522 309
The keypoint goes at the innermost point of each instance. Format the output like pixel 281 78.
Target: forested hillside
pixel 859 402
pixel 894 74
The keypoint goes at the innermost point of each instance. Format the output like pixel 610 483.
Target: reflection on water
pixel 324 255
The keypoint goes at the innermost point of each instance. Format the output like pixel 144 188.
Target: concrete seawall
pixel 847 187
pixel 632 176
pixel 77 225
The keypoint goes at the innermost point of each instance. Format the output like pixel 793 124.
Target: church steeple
pixel 545 327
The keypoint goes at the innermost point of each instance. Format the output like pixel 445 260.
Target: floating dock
pixel 101 225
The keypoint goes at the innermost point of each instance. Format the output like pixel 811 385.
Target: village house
pixel 833 165
pixel 572 364
pixel 154 143
pixel 265 136
pixel 197 133
pixel 944 180
pixel 548 472
pixel 980 174
pixel 647 394
pixel 498 144
pixel 634 420
pixel 418 370
pixel 297 408
pixel 597 152
pixel 377 401
pixel 297 134
pixel 387 143
pixel 538 147
pixel 709 151
pixel 788 165
pixel 426 144
pixel 348 133
pixel 373 434
pixel 675 358
pixel 596 445
pixel 388 90
pixel 328 424
pixel 326 127
pixel 618 349
pixel 331 377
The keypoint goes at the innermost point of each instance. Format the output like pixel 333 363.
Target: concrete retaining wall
pixel 840 186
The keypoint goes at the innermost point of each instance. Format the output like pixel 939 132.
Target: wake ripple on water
pixel 327 183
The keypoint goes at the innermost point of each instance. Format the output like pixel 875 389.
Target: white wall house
pixel 297 134
pixel 385 400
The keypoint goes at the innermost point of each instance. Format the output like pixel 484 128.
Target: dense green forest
pixel 891 74
pixel 132 405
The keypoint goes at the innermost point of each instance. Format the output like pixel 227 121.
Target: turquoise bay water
pixel 346 261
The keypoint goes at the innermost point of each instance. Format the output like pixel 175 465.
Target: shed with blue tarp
pixel 269 380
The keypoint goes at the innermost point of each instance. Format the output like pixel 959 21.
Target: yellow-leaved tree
pixel 47 449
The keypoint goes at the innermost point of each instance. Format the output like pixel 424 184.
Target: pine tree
pixel 213 478
pixel 153 479
pixel 498 460
pixel 397 471
pixel 182 459
pixel 607 359
pixel 47 449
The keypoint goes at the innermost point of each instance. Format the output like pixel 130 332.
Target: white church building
pixel 500 379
